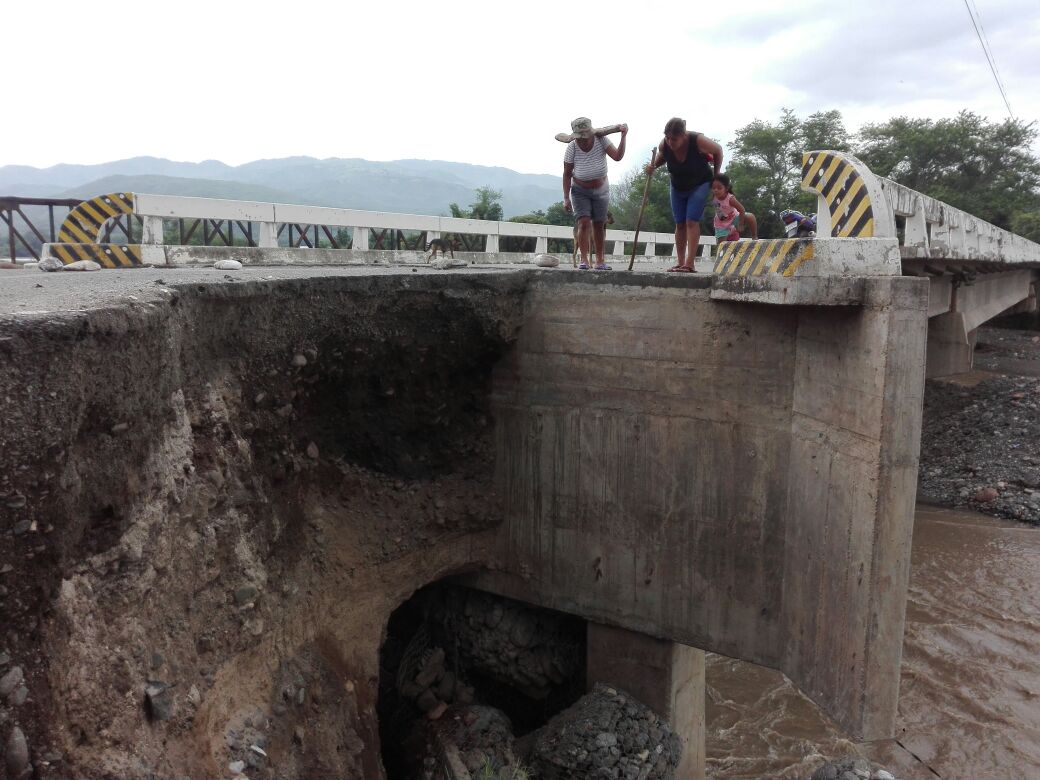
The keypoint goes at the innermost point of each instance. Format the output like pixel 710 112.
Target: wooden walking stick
pixel 642 206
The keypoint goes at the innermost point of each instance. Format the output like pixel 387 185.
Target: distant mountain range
pixel 402 186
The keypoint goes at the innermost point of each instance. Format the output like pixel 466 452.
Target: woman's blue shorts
pixel 689 206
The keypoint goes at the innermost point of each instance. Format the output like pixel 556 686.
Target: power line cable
pixel 989 58
pixel 992 56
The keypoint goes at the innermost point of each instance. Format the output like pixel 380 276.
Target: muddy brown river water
pixel 969 704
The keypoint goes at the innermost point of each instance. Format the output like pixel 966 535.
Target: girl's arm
pixel 741 211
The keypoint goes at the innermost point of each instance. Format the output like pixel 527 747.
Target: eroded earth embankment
pixel 214 495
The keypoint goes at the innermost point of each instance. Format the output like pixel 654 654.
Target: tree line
pixel 985 168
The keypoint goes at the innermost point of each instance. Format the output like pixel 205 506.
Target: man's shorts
pixel 689 206
pixel 590 203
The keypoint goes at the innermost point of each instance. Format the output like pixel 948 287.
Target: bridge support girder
pixel 956 312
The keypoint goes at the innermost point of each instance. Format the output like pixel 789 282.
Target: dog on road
pixel 441 245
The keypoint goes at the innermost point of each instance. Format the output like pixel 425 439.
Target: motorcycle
pixel 797 224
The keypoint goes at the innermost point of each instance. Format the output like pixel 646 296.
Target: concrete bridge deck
pixel 30 291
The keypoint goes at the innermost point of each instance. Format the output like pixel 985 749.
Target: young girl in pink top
pixel 730 216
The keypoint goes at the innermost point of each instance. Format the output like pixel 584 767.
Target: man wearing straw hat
pixel 586 192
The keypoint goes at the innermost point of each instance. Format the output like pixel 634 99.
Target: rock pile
pixel 531 650
pixel 607 735
pixel 850 768
pixel 980 447
pixel 425 679
pixel 476 739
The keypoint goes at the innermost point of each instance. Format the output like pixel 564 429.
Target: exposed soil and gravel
pixel 980 443
pixel 211 500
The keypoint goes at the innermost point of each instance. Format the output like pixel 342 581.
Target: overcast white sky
pixel 489 82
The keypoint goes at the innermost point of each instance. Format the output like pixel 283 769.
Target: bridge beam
pixel 957 310
pixel 989 295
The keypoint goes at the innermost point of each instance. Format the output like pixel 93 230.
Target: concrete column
pixel 665 676
pixel 957 238
pixel 491 245
pixel 151 230
pixel 268 234
pixel 541 245
pixel 916 229
pixel 619 248
pixel 360 238
pixel 651 249
pixel 951 346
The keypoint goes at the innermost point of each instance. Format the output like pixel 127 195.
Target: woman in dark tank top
pixel 685 154
pixel 687 174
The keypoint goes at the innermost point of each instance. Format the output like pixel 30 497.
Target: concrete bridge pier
pixel 668 677
pixel 951 346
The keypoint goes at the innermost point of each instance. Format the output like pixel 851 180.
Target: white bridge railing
pixel 853 202
pixel 933 229
pixel 153 209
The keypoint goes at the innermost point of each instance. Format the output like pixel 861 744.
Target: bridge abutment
pixel 734 476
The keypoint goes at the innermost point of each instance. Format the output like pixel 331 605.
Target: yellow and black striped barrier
pixel 765 256
pixel 83 224
pixel 108 255
pixel 834 177
pixel 80 234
